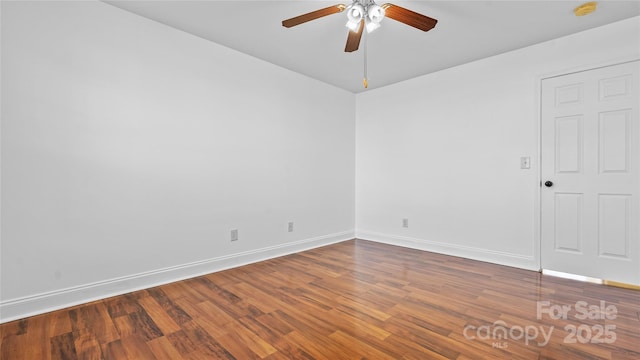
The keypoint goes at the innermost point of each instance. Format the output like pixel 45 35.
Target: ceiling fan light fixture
pixel 355 13
pixel 371 26
pixel 375 13
pixel 353 26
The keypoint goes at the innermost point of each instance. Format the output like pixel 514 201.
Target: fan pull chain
pixel 364 81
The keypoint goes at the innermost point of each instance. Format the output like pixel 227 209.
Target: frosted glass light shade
pixel 353 26
pixel 355 13
pixel 372 26
pixel 375 13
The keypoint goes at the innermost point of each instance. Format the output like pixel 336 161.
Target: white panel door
pixel 590 173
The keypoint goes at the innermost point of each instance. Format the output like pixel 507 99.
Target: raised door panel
pixel 614 224
pixel 568 144
pixel 614 141
pixel 568 222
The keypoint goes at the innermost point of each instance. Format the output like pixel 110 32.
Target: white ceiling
pixel 466 31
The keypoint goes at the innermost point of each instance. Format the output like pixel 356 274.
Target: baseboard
pixel 468 252
pixel 19 308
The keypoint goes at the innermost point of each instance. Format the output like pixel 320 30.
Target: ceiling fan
pixel 366 12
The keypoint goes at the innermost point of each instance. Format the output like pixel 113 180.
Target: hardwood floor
pixel 352 300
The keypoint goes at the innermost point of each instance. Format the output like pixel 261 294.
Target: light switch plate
pixel 525 162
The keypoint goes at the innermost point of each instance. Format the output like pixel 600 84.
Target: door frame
pixel 537 210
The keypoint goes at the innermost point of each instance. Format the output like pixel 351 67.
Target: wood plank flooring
pixel 352 300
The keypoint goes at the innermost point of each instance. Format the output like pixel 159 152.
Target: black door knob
pixel 548 183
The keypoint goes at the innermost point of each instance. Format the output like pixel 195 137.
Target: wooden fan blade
pixel 353 39
pixel 409 17
pixel 313 15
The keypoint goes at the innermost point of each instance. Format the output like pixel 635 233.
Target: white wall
pixel 443 150
pixel 130 149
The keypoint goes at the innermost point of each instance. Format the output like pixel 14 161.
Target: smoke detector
pixel 586 8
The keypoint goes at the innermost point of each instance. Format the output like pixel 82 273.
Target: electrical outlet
pixel 405 223
pixel 290 226
pixel 234 235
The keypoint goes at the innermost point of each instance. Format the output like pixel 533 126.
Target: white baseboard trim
pixel 15 309
pixel 468 252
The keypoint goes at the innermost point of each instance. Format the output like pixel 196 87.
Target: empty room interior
pixel 256 180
